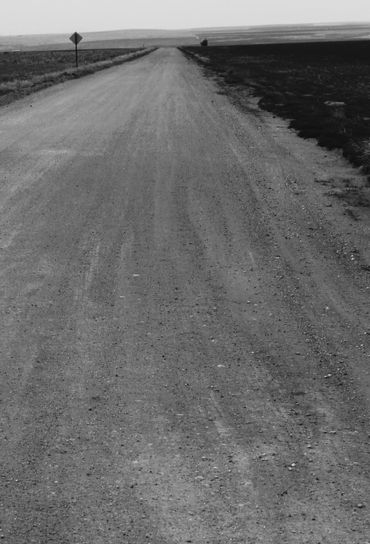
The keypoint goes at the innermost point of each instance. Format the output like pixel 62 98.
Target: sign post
pixel 76 38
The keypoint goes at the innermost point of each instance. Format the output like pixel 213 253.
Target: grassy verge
pixel 323 89
pixel 23 73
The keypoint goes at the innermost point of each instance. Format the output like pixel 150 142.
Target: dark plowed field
pixel 322 88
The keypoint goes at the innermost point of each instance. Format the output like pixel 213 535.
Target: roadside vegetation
pixel 323 89
pixel 23 72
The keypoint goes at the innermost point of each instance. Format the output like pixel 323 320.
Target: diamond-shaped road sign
pixel 76 38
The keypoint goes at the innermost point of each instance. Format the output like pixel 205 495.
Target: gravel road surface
pixel 185 333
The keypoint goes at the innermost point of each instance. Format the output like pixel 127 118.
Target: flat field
pixel 186 37
pixel 322 88
pixel 284 33
pixel 101 40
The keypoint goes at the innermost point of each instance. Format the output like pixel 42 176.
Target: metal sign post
pixel 76 38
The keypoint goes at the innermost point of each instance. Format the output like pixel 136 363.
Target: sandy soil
pixel 185 321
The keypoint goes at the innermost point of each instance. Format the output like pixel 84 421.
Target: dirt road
pixel 185 321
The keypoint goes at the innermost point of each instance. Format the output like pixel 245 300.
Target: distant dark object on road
pixel 204 43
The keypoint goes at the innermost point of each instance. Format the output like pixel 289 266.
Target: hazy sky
pixel 49 16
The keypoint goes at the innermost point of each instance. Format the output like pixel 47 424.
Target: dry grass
pixel 25 72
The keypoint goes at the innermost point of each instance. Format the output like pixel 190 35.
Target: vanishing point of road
pixel 184 338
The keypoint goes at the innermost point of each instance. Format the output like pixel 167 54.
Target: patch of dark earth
pixel 321 88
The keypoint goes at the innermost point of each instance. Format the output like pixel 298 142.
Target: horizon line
pixel 191 29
